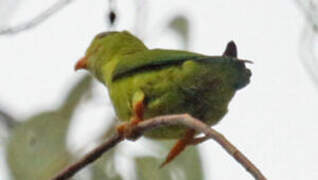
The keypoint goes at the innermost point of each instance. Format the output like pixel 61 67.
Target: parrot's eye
pixel 103 34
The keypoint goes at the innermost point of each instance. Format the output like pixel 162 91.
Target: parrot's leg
pixel 138 112
pixel 199 140
pixel 188 139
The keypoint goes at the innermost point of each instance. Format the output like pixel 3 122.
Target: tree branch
pixel 89 158
pixel 167 120
pixel 36 20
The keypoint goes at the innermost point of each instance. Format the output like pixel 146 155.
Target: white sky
pixel 273 120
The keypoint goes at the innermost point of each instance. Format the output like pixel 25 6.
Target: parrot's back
pixel 173 83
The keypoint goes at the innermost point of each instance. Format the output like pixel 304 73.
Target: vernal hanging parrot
pixel 144 83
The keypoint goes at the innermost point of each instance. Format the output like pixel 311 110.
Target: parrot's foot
pixel 125 129
pixel 187 140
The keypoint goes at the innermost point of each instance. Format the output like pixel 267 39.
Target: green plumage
pixel 171 82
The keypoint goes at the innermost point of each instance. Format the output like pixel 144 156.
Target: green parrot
pixel 144 83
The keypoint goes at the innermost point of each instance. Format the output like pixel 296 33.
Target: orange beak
pixel 81 64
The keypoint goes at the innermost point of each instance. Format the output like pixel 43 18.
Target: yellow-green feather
pixel 190 87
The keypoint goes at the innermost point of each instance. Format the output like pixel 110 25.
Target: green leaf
pixel 104 167
pixel 7 120
pixel 74 96
pixel 148 168
pixel 186 166
pixel 36 149
pixel 180 25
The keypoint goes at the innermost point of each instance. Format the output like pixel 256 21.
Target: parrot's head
pixel 235 71
pixel 103 51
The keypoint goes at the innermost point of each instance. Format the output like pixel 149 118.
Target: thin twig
pixel 36 20
pixel 168 120
pixel 89 158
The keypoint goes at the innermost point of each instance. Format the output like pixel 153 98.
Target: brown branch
pixel 168 120
pixel 89 158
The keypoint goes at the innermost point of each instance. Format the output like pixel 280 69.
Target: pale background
pixel 274 120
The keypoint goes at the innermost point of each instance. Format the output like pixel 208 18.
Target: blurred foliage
pixel 309 39
pixel 33 22
pixel 104 167
pixel 187 166
pixel 180 25
pixel 7 120
pixel 36 147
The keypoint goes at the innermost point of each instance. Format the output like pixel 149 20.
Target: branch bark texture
pixel 167 120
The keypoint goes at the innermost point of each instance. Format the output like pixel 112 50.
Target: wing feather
pixel 150 59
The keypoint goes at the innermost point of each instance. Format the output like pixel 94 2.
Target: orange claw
pixel 139 112
pixel 179 146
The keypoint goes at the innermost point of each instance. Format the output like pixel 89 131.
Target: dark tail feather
pixel 230 50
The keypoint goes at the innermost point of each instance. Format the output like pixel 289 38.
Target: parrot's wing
pixel 152 58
